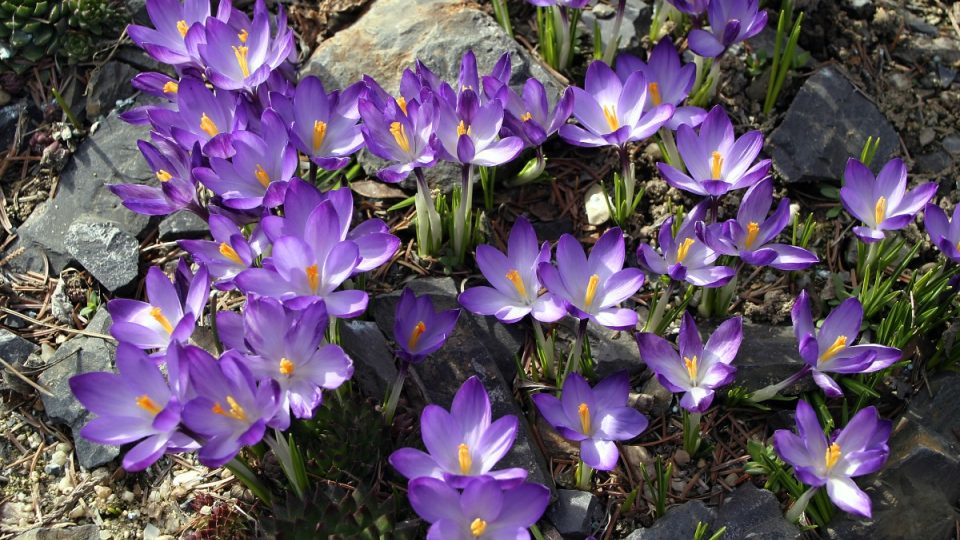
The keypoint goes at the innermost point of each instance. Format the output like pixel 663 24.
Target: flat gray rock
pixel 106 251
pixel 636 23
pixel 828 122
pixel 768 355
pixel 373 362
pixel 753 513
pixel 14 349
pixel 575 513
pixel 679 522
pixel 181 225
pixel 82 532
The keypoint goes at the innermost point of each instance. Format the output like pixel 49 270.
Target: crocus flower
pixel 372 236
pixel 859 448
pixel 483 511
pixel 169 314
pixel 469 132
pixel 228 254
pixel 177 189
pixel 231 410
pixel 135 404
pixel 574 4
pixel 731 21
pixel 690 7
pixel 203 116
pixel 593 287
pixel 242 60
pixel 717 161
pixel 303 269
pixel 284 345
pixel 462 444
pixel 944 232
pixel 596 417
pixel 172 19
pixel 685 257
pixel 516 286
pixel 400 134
pixel 611 112
pixel 668 81
pixel 697 370
pixel 419 330
pixel 259 171
pixel 529 116
pixel 750 235
pixel 325 127
pixel 830 348
pixel 882 203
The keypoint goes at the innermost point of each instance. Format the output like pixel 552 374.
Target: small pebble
pixel 150 532
pixel 927 135
pixel 205 511
pixel 78 512
pixel 731 479
pixel 58 458
pixel 102 492
pixel 681 457
pixel 65 485
pixel 127 496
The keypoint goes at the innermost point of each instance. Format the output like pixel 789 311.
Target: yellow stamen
pixel 832 455
pixel 182 28
pixel 716 165
pixel 262 176
pixel 752 229
pixel 286 366
pixel 462 129
pixel 880 210
pixel 654 91
pixel 526 117
pixel 478 527
pixel 319 134
pixel 241 54
pixel 691 364
pixel 514 278
pixel 147 404
pixel 236 411
pixel 313 277
pixel 402 103
pixel 170 87
pixel 227 251
pixel 418 331
pixel 208 126
pixel 158 316
pixel 683 249
pixel 838 345
pixel 163 176
pixel 610 113
pixel 584 412
pixel 399 135
pixel 591 289
pixel 243 35
pixel 463 456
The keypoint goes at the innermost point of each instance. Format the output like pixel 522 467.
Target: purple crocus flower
pixel 668 81
pixel 697 370
pixel 135 404
pixel 731 21
pixel 399 133
pixel 593 287
pixel 516 286
pixel 882 203
pixel 171 166
pixel 573 4
pixel 303 269
pixel 231 410
pixel 685 257
pixel 690 7
pixel 830 349
pixel 419 330
pixel 483 511
pixel 717 161
pixel 228 254
pixel 325 127
pixel 244 59
pixel 172 19
pixel 170 313
pixel 469 132
pixel 944 232
pixel 284 345
pixel 859 448
pixel 372 236
pixel 750 235
pixel 528 116
pixel 203 116
pixel 596 417
pixel 259 171
pixel 611 112
pixel 462 444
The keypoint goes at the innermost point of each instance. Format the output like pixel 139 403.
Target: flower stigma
pixel 286 366
pixel 402 103
pixel 683 249
pixel 313 277
pixel 838 345
pixel 399 135
pixel 262 176
pixel 463 456
pixel 236 411
pixel 654 90
pixel 691 364
pixel 182 28
pixel 227 251
pixel 584 411
pixel 418 331
pixel 241 54
pixel 832 455
pixel 170 87
pixel 158 316
pixel 514 277
pixel 610 114
pixel 526 117
pixel 880 210
pixel 716 165
pixel 477 527
pixel 463 129
pixel 147 404
pixel 163 176
pixel 208 126
pixel 243 35
pixel 319 134
pixel 752 229
pixel 591 289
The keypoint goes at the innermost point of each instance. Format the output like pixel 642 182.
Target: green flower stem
pixel 545 351
pixel 654 320
pixel 691 432
pixel 584 476
pixel 576 353
pixel 390 406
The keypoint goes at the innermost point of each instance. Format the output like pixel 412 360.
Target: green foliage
pixel 765 462
pixel 29 30
pixel 662 476
pixel 784 56
pixel 703 528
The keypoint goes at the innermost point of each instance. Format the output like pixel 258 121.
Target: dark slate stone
pixel 636 23
pixel 679 522
pixel 82 532
pixel 14 349
pixel 100 322
pixel 9 117
pixel 108 84
pixel 933 162
pixel 754 513
pixel 575 514
pixel 373 363
pixel 181 225
pixel 78 355
pixel 111 255
pixel 768 355
pixel 107 156
pixel 828 122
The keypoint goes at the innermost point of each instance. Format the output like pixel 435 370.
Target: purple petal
pixel 433 500
pixel 848 497
pixel 601 455
pixel 621 423
pixel 413 463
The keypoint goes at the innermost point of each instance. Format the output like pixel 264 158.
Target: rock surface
pixel 679 522
pixel 108 84
pixel 182 224
pixel 768 355
pixel 636 23
pixel 373 363
pixel 575 514
pixel 83 532
pixel 107 252
pixel 754 513
pixel 828 122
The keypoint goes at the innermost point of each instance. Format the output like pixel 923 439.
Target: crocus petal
pixel 848 497
pixel 433 500
pixel 601 455
pixel 827 384
pixel 413 463
pixel 621 423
